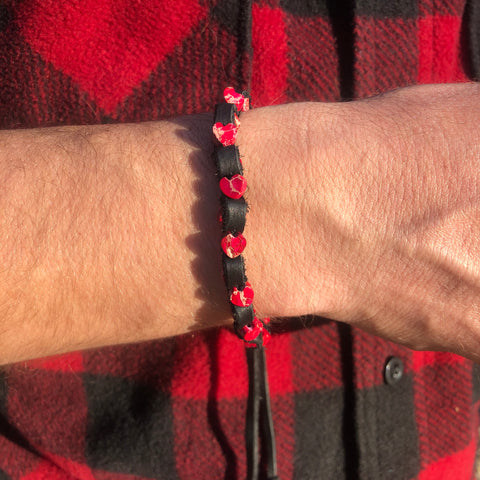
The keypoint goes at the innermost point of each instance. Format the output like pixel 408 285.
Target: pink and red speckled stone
pixel 231 96
pixel 233 187
pixel 232 245
pixel 242 298
pixel 227 134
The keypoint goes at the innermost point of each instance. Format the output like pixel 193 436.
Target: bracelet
pixel 253 330
pixel 247 325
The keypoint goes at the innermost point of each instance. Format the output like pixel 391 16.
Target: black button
pixel 393 372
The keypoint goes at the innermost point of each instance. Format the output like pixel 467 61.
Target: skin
pixel 365 212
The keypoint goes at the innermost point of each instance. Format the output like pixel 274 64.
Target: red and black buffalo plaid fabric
pixel 175 408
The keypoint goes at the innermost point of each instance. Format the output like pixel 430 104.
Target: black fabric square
pixel 229 14
pixel 388 436
pixel 306 8
pixel 129 428
pixel 4 476
pixel 387 9
pixel 319 449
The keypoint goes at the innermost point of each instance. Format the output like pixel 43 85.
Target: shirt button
pixel 393 372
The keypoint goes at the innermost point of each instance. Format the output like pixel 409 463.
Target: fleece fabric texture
pixel 175 408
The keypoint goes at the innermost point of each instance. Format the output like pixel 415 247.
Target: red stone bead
pixel 231 96
pixel 226 134
pixel 233 246
pixel 252 332
pixel 242 298
pixel 233 187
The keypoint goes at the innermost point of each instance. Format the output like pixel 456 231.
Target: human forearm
pixel 108 234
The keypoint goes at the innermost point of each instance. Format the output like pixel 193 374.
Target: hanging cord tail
pixel 268 444
pixel 253 413
pixel 259 418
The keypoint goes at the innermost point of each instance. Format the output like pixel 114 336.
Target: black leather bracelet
pixel 233 217
pixel 247 325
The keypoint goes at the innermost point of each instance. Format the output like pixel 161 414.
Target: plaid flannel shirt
pixel 175 408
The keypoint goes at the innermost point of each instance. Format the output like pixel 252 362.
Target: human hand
pixel 369 213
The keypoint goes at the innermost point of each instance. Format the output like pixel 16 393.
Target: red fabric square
pixel 231 367
pixel 440 50
pixel 457 466
pixel 279 363
pixel 68 363
pixel 191 367
pixel 107 46
pixel 67 467
pixel 60 469
pixel 443 400
pixel 425 359
pixel 270 68
pixel 211 364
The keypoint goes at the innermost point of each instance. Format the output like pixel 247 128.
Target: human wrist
pixel 287 238
pixel 183 285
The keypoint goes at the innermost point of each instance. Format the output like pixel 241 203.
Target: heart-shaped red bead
pixel 226 134
pixel 233 187
pixel 242 298
pixel 231 96
pixel 233 246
